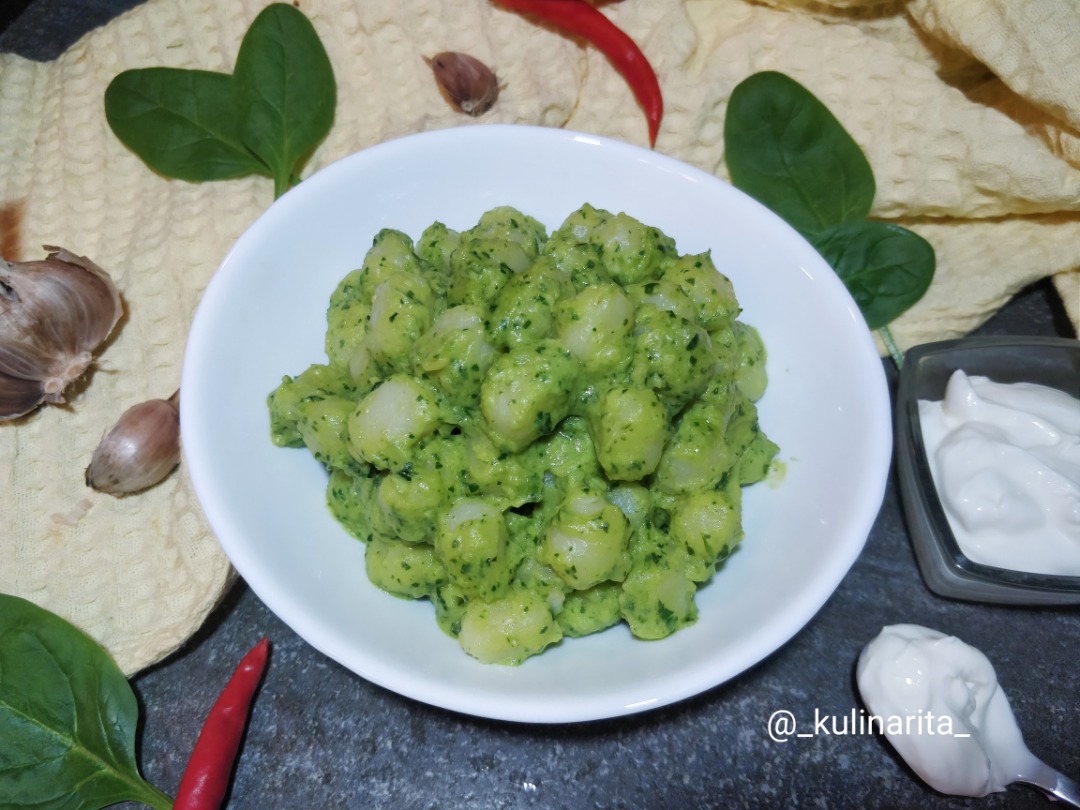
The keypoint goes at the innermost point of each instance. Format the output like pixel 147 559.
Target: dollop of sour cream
pixel 1005 459
pixel 942 709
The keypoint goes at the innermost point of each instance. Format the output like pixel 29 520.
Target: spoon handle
pixel 1055 785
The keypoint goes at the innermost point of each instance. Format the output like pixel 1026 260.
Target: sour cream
pixel 938 702
pixel 1005 459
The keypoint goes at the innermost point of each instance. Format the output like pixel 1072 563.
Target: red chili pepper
pixel 209 770
pixel 581 19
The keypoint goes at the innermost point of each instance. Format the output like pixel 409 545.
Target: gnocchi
pixel 544 435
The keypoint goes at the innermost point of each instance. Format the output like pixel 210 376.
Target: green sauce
pixel 543 435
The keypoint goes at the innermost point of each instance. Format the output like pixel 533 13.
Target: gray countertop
pixel 321 736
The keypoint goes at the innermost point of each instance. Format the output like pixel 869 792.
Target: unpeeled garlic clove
pixel 18 397
pixel 140 450
pixel 469 84
pixel 54 314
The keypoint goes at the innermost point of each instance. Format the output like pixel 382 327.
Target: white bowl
pixel 263 316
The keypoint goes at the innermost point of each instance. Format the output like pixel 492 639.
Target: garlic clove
pixel 469 85
pixel 18 396
pixel 139 451
pixel 54 314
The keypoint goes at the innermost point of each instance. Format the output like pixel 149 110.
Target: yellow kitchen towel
pixel 966 111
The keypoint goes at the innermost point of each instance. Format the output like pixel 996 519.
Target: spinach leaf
pixel 885 267
pixel 285 87
pixel 787 150
pixel 67 718
pixel 182 123
pixel 264 118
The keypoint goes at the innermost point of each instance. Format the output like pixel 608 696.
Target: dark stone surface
pixel 44 29
pixel 323 737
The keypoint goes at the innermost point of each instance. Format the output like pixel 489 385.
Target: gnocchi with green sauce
pixel 544 435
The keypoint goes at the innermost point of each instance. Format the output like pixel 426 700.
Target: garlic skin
pixel 54 314
pixel 469 84
pixel 141 449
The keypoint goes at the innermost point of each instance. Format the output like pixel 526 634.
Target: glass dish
pixel 1053 362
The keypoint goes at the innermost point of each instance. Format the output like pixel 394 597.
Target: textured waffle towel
pixel 967 111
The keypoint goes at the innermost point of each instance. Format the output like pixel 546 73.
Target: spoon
pixel 909 670
pixel 1054 784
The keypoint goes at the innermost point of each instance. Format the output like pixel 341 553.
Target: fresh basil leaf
pixel 885 267
pixel 67 718
pixel 787 150
pixel 182 123
pixel 285 88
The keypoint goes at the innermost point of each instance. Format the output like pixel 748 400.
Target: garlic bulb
pixel 54 314
pixel 469 84
pixel 140 450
